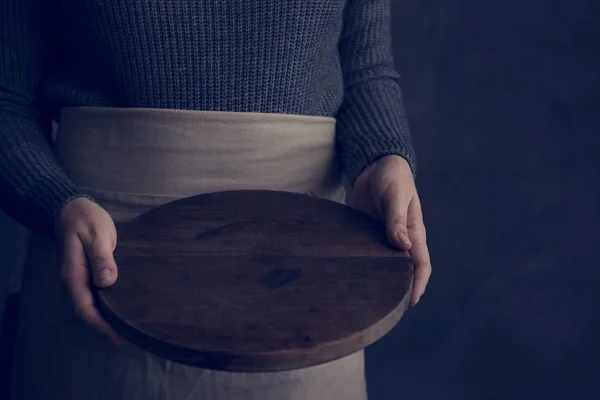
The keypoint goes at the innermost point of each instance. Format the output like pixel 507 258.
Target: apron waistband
pixel 131 159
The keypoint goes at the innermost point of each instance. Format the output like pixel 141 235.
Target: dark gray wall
pixel 504 100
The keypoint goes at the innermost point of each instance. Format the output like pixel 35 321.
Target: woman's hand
pixel 386 189
pixel 86 237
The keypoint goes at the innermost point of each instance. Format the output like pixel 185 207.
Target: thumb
pixel 394 206
pixel 103 267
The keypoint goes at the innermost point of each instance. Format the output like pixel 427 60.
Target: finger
pixel 99 253
pixel 394 207
pixel 76 277
pixel 88 313
pixel 419 251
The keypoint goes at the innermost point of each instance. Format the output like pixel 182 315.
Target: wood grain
pixel 255 281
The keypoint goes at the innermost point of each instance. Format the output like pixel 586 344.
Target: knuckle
pixel 420 242
pixel 92 232
pixel 399 222
pixel 100 258
pixel 102 240
pixel 401 229
pixel 101 261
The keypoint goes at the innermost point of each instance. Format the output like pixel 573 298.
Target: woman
pixel 157 100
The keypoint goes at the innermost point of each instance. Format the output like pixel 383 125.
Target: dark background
pixel 504 103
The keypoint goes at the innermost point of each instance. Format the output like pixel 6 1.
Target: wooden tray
pixel 255 281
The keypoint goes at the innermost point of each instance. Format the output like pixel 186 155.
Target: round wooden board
pixel 255 281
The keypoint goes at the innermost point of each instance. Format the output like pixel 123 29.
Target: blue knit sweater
pixel 310 57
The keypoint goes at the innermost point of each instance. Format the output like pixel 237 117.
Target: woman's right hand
pixel 86 238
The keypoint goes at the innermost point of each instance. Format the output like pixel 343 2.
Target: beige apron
pixel 131 160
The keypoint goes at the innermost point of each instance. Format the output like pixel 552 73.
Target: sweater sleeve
pixel 371 120
pixel 33 187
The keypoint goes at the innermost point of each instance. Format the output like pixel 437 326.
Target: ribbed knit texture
pixel 309 57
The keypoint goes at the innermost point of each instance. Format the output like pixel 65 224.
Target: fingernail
pixel 420 297
pixel 103 276
pixel 414 303
pixel 403 239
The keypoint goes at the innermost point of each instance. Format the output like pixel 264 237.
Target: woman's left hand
pixel 386 190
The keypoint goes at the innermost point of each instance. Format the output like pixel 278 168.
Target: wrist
pixel 73 201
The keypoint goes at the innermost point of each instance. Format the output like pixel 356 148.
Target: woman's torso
pixel 268 56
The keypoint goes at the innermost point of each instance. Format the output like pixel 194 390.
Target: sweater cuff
pixel 361 157
pixel 372 124
pixel 45 201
